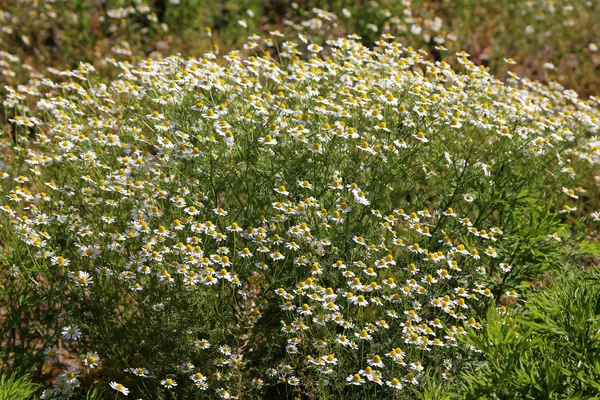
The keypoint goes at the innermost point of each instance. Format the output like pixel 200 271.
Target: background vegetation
pixel 551 40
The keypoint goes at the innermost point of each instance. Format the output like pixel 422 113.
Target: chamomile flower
pixel 567 209
pixel 469 198
pixel 187 367
pixel 202 344
pixel 141 372
pixel 119 388
pixel 91 360
pixel 168 383
pixel 375 361
pixel 570 193
pixel 355 380
pixel 281 190
pixel 71 332
pixel 52 355
pixel 410 378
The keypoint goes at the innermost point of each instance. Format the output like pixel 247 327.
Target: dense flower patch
pixel 328 224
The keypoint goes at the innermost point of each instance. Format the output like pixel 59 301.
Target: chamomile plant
pixel 318 220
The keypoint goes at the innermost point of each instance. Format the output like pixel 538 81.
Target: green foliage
pixel 94 394
pixel 435 388
pixel 548 350
pixel 15 387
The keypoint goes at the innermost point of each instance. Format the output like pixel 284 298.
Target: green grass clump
pixel 13 387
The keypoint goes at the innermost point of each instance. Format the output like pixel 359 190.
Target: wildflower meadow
pixel 317 211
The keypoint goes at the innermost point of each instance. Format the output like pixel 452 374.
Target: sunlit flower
pixel 119 388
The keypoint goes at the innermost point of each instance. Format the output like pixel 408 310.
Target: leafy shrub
pixel 270 224
pixel 548 351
